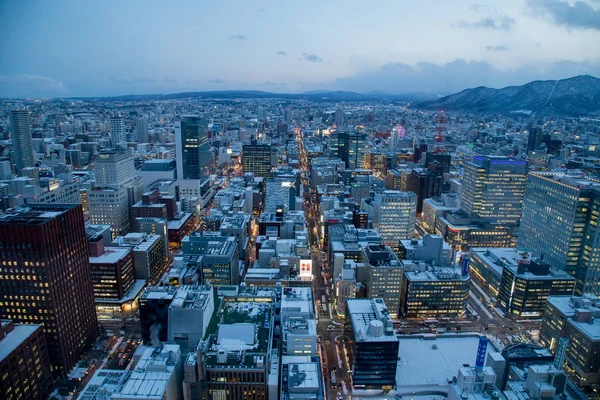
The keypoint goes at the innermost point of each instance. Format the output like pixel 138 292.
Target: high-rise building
pixel 21 139
pixel 375 347
pixel 113 169
pixel 256 158
pixel 339 117
pixel 110 207
pixel 287 115
pixel 393 213
pixel 192 147
pixel 560 225
pixel 47 278
pixel 383 276
pixel 117 131
pixel 24 362
pixel 141 126
pixel 154 306
pixel 493 189
pixel 355 150
pixel 262 114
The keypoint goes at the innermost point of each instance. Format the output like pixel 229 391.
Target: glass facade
pixel 195 149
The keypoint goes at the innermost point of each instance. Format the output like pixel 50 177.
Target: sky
pixel 68 48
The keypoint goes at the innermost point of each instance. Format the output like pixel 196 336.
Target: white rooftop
pixel 15 338
pixel 421 364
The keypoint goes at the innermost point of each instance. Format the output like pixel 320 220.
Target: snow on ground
pixel 421 364
pixel 481 306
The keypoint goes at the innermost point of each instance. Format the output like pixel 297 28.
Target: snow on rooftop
pixel 421 364
pixel 236 336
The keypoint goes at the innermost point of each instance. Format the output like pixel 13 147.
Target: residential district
pixel 290 249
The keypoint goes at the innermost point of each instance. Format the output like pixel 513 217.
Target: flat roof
pixel 111 255
pixel 422 364
pixel 591 330
pixel 15 338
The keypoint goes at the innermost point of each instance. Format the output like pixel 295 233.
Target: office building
pixel 515 357
pixel 430 291
pixel 190 312
pixel 345 286
pixel 383 276
pixel 486 265
pixel 21 139
pixel 113 274
pixel 558 310
pixel 375 347
pixel 582 356
pixel 301 378
pixel 431 249
pixel 149 255
pixel 37 284
pixel 117 131
pixel 156 374
pixel 192 147
pixel 154 306
pixel 235 358
pixel 256 158
pixel 563 210
pixel 525 287
pixel 425 184
pixel 25 371
pixel 493 189
pixel 141 127
pixel 393 213
pixel 110 207
pixel 339 117
pixel 354 155
pixel 114 169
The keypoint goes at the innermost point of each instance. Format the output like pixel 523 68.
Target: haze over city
pixel 74 48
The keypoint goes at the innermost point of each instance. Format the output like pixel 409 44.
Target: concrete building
pixel 24 362
pixel 433 291
pixel 524 288
pixel 583 333
pixel 431 249
pixel 256 159
pixel 563 210
pixel 558 310
pixel 157 374
pixel 494 188
pixel 110 207
pixel 383 276
pixel 149 255
pixel 47 231
pixel 393 213
pixel 117 131
pixel 220 262
pixel 301 378
pixel 21 139
pixel 487 265
pixel 375 347
pixel 189 315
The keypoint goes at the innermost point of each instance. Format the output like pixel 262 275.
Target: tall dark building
pixel 24 364
pixel 256 158
pixel 534 138
pixel 47 278
pixel 193 149
pixel 154 312
pixel 21 138
pixel 424 184
pixel 438 163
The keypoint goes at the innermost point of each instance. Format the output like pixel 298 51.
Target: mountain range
pixel 577 96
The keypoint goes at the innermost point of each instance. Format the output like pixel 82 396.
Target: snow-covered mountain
pixel 566 97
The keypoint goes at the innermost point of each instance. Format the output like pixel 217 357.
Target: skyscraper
pixel 339 116
pixel 560 225
pixel 117 131
pixel 47 278
pixel 21 139
pixel 142 130
pixel 394 214
pixel 493 189
pixel 262 114
pixel 355 150
pixel 192 147
pixel 256 158
pixel 287 115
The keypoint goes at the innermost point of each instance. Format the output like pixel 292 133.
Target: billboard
pixel 305 268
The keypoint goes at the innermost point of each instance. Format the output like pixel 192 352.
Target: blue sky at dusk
pixel 96 48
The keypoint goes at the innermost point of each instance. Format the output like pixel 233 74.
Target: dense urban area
pixel 252 247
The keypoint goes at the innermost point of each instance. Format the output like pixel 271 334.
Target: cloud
pixel 281 53
pixel 578 15
pixel 271 83
pixel 217 81
pixel 313 58
pixel 477 7
pixel 505 23
pixel 261 10
pixel 456 76
pixel 238 37
pixel 496 48
pixel 26 85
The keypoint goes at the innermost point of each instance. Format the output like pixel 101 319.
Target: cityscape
pixel 217 243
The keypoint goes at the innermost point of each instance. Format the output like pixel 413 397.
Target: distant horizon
pixel 103 49
pixel 314 92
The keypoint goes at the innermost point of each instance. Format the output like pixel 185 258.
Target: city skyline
pixel 158 47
